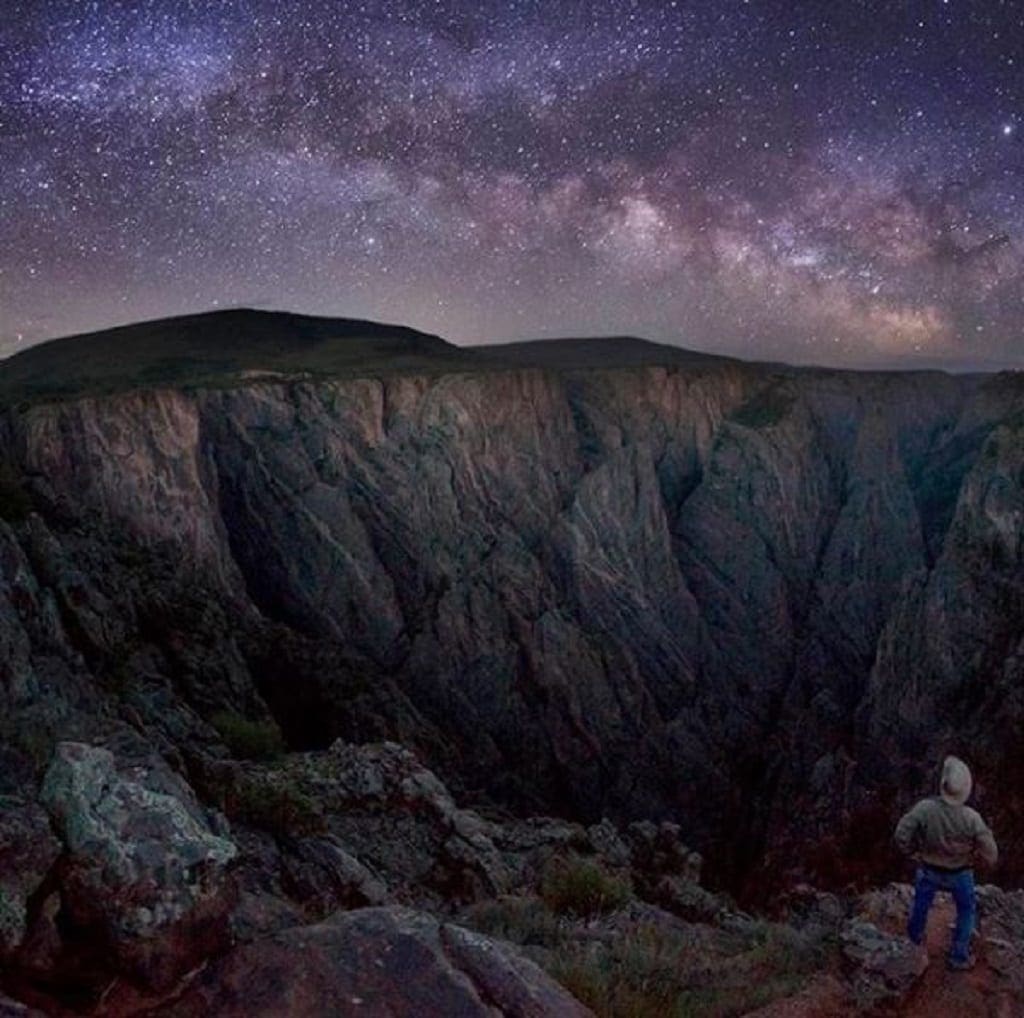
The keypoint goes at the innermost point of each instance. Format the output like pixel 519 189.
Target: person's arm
pixel 907 831
pixel 985 844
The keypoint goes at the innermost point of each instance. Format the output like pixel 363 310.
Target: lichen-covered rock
pixel 882 968
pixel 1001 935
pixel 609 843
pixel 145 875
pixel 688 899
pixel 658 850
pixel 28 850
pixel 390 815
pixel 380 963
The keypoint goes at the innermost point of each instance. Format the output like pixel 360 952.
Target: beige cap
pixel 956 781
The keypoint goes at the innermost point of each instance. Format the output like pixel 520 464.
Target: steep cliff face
pixel 758 601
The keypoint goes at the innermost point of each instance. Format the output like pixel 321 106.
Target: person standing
pixel 947 838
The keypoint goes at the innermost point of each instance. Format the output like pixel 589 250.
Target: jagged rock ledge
pixel 353 875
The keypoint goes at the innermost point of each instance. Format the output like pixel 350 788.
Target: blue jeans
pixel 961 886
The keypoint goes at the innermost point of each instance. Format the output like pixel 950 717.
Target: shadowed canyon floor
pixel 587 578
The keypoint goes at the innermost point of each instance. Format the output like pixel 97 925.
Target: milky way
pixel 837 182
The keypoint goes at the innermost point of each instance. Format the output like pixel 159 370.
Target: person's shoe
pixel 961 964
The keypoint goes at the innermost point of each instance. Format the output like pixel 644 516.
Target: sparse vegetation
pixel 656 973
pixel 643 975
pixel 525 920
pixel 646 969
pixel 583 887
pixel 276 805
pixel 249 740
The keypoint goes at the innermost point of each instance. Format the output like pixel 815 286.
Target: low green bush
pixel 249 740
pixel 583 887
pixel 642 974
pixel 654 972
pixel 275 806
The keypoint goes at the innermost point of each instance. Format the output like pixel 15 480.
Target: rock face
pixel 145 876
pixel 376 962
pixel 634 590
pixel 370 825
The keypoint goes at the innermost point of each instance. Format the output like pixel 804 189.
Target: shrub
pixel 582 887
pixel 790 951
pixel 276 806
pixel 652 972
pixel 249 740
pixel 641 974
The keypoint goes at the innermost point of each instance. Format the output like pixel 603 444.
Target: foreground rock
pixel 384 962
pixel 532 917
pixel 145 878
pixel 883 968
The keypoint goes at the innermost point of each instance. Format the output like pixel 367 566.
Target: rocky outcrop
pixel 142 901
pixel 369 824
pixel 476 915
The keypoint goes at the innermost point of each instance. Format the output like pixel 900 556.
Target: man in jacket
pixel 947 838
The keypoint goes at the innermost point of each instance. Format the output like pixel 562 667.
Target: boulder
pixel 146 878
pixel 324 877
pixel 377 963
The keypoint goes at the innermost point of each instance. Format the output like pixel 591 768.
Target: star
pixel 729 177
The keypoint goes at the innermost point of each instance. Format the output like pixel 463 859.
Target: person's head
pixel 956 781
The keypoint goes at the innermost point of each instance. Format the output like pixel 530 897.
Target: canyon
pixel 581 578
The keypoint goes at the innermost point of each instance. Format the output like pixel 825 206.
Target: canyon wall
pixel 758 601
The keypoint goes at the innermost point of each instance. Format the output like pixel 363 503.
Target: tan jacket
pixel 947 835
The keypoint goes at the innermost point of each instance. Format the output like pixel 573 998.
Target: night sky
pixel 839 182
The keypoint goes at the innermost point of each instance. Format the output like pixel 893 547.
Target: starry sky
pixel 838 182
